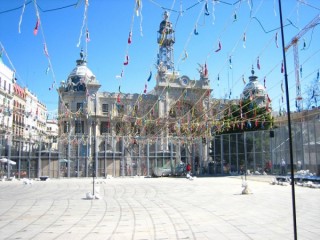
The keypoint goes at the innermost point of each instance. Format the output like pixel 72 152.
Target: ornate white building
pixel 113 123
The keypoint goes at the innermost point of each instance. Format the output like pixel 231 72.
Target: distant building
pixel 7 82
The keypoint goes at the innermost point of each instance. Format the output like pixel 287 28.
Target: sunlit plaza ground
pixel 157 208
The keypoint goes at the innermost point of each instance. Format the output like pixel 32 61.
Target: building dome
pixel 81 70
pixel 254 90
pixel 80 76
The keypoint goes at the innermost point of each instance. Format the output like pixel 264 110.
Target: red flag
pixel 35 30
pixel 118 98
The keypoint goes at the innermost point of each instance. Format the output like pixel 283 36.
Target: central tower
pixel 166 40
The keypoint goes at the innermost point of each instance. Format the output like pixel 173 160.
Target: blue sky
pixel 109 24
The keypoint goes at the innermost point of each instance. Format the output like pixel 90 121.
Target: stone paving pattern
pixel 156 208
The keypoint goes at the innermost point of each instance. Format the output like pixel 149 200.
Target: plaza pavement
pixel 156 208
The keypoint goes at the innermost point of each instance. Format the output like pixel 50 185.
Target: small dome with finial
pixel 254 90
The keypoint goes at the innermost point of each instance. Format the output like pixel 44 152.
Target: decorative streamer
pixel 301 71
pixel 282 67
pixel 87 35
pixel 36 28
pixel 244 39
pixel 206 9
pixel 195 31
pixel 258 63
pixel 213 12
pixel 318 75
pixel 219 47
pixel 145 88
pixel 127 60
pixel 276 40
pixel 243 79
pixel 45 50
pixel 205 70
pixel 218 80
pixel 138 7
pixel 235 16
pixel 150 76
pixel 130 38
pixel 274 8
pixel 282 87
pixel 230 62
pixel 21 16
pixel 139 13
pixel 47 70
pixel 185 56
pixel 121 75
pixel 83 21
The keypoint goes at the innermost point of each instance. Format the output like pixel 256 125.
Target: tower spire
pixel 166 40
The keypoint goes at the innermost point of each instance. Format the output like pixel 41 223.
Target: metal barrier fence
pixel 82 156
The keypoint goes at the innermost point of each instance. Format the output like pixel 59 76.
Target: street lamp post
pixel 94 143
